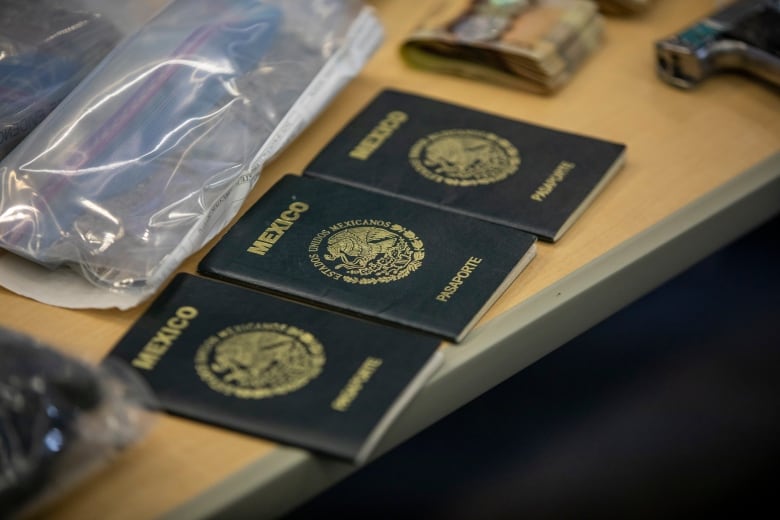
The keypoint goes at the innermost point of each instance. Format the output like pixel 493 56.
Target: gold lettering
pixel 176 323
pixel 163 339
pixel 355 384
pixel 259 248
pixel 324 269
pixel 290 215
pixel 145 360
pixel 299 207
pixel 317 240
pixel 380 133
pixel 359 222
pixel 557 176
pixel 460 277
pixel 187 312
pixel 278 227
pixel 269 236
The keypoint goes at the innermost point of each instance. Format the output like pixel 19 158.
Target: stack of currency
pixel 531 44
pixel 623 6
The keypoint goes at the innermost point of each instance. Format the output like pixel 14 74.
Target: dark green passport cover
pixel 508 171
pixel 259 364
pixel 372 255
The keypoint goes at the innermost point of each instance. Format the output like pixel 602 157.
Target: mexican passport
pixel 262 365
pixel 507 171
pixel 371 255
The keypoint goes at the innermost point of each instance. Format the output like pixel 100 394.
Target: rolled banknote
pixel 530 44
pixel 621 7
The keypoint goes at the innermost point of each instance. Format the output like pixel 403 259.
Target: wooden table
pixel 703 167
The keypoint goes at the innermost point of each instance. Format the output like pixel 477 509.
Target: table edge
pixel 287 476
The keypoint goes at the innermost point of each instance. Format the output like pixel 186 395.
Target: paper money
pixel 623 6
pixel 532 44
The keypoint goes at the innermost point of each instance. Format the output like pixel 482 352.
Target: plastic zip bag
pixel 61 420
pixel 46 49
pixel 154 152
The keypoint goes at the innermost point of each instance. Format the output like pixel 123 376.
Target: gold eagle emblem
pixel 464 157
pixel 258 360
pixel 373 254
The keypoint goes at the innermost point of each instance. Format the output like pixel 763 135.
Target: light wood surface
pixel 680 146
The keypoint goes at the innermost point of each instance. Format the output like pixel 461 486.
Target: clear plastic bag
pixel 61 420
pixel 46 49
pixel 154 152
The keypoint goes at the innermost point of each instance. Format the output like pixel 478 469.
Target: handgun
pixel 742 36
